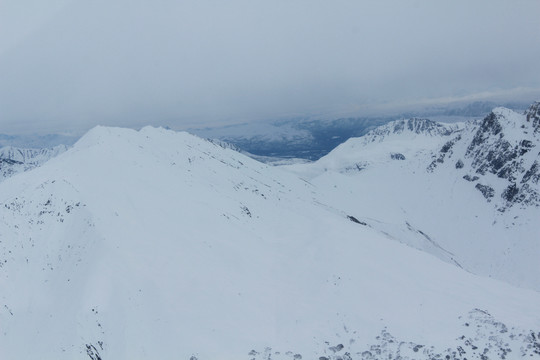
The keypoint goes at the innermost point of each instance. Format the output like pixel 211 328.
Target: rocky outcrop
pixel 533 116
pixel 504 146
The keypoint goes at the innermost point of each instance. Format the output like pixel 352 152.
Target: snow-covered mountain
pixel 161 245
pixel 311 137
pixel 15 160
pixel 397 140
pixel 501 156
pixel 467 193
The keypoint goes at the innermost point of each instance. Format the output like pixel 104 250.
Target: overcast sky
pixel 67 65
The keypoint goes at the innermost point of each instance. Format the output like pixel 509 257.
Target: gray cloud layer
pixel 78 63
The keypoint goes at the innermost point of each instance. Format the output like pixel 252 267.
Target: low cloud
pixel 186 63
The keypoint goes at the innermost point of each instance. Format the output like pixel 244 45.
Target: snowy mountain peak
pixel 101 134
pixel 421 126
pixel 396 142
pixel 499 156
pixel 414 126
pixel 533 115
pixel 503 154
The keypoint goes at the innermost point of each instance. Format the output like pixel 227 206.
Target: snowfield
pixel 154 244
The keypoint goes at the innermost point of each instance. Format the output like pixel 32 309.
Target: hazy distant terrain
pixel 307 138
pixel 311 138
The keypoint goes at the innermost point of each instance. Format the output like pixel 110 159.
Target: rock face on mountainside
pixel 500 156
pixel 15 160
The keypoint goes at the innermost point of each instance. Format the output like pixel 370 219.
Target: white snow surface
pixel 161 245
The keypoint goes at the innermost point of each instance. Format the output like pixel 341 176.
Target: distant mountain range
pixel 15 160
pixel 307 138
pixel 36 141
pixel 311 139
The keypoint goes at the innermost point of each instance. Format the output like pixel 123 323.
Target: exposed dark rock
pixel 246 211
pixel 533 115
pixel 504 156
pixel 498 155
pixel 92 352
pixel 336 348
pixel 481 337
pixel 10 162
pixel 459 164
pixel 356 167
pixel 397 156
pixel 533 174
pixel 487 191
pixel 469 178
pixel 446 147
pixel 525 146
pixel 490 126
pixel 355 220
pixel 510 192
pixel 446 151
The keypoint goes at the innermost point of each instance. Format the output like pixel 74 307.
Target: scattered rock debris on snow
pixel 483 338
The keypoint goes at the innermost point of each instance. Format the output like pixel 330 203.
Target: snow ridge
pixel 414 125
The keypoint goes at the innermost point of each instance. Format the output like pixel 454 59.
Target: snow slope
pixel 160 245
pixel 467 194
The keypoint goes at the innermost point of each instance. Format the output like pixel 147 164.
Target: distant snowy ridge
pixel 397 140
pixel 313 137
pixel 31 156
pixel 15 160
pixel 37 141
pixel 414 125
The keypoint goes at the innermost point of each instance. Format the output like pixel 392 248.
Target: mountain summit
pixel 501 155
